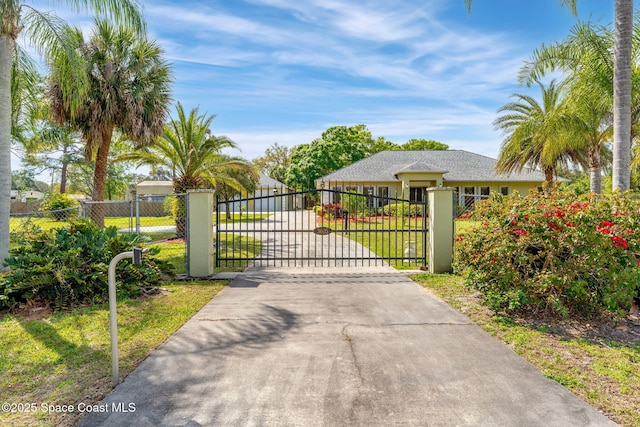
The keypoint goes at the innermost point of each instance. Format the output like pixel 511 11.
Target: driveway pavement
pixel 336 347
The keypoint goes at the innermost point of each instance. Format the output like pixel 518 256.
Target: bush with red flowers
pixel 554 254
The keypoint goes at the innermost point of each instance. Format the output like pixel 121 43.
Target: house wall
pixel 395 188
pixel 265 201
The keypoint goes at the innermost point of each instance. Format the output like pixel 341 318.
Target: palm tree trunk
pixel 622 94
pixel 6 57
pixel 100 176
pixel 548 177
pixel 595 168
pixel 63 171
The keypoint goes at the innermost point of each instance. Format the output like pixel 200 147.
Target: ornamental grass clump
pixel 554 254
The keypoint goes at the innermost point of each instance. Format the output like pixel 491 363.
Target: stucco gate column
pixel 440 229
pixel 200 233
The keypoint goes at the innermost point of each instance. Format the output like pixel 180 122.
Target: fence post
pixel 200 233
pixel 137 214
pixel 440 229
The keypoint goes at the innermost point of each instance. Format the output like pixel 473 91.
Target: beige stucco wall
pixel 396 187
pixel 154 187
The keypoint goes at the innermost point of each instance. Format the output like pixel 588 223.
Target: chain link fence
pixel 162 219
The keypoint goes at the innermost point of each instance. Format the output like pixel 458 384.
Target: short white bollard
pixel 136 254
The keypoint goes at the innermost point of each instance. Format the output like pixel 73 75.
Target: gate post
pixel 440 229
pixel 200 233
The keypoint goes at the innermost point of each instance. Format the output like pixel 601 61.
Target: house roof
pixel 456 165
pixel 268 182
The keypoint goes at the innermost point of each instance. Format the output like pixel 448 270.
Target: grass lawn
pixel 65 358
pixel 387 238
pixel 600 364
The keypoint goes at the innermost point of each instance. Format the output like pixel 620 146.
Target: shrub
pixel 330 211
pixel 555 253
pixel 402 209
pixel 59 206
pixel 356 205
pixel 68 266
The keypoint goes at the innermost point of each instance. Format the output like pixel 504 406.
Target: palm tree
pixel 42 30
pixel 587 55
pixel 534 136
pixel 622 71
pixel 589 127
pixel 128 90
pixel 622 94
pixel 195 156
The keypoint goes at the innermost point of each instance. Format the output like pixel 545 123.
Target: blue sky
pixel 285 70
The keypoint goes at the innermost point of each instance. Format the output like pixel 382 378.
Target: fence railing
pixel 151 217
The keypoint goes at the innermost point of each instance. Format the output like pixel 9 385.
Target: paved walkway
pixel 336 347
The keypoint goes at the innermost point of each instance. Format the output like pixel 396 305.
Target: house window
pixel 505 191
pixel 335 194
pixel 383 196
pixel 468 196
pixel 416 194
pixel 369 191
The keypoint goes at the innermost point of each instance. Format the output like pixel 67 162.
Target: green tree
pixel 534 133
pixel 338 147
pixel 274 162
pixel 194 155
pixel 587 56
pixel 46 144
pixel 423 144
pixel 248 181
pixel 622 94
pixel 128 90
pixel 42 30
pixel 381 144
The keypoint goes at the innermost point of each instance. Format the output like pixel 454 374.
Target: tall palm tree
pixel 189 149
pixel 587 55
pixel 623 41
pixel 128 90
pixel 622 94
pixel 41 29
pixel 534 136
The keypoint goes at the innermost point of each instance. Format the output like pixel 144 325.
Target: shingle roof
pixel 267 182
pixel 459 165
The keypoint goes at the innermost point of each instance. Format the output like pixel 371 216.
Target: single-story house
pixel 266 198
pixel 26 195
pixel 154 191
pixel 405 174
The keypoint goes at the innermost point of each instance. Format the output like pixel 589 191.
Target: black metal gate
pixel 343 228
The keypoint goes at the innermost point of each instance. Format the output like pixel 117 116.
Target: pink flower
pixel 519 232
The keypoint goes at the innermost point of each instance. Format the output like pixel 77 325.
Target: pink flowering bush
pixel 555 254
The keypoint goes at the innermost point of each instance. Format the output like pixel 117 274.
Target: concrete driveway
pixel 336 347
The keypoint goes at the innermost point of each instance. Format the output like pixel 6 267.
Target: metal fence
pixel 150 216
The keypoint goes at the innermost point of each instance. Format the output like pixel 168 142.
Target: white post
pixel 200 233
pixel 136 254
pixel 113 319
pixel 441 229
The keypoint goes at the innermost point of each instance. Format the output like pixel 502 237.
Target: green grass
pixel 603 371
pixel 246 217
pixel 236 246
pixel 64 359
pixel 386 238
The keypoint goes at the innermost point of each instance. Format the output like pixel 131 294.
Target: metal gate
pixel 341 229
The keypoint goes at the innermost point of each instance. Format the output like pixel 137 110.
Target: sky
pixel 283 71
